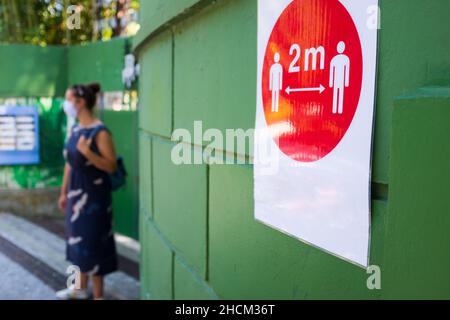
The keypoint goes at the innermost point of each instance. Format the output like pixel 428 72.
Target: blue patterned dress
pixel 90 237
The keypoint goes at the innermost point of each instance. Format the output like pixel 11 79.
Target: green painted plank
pixel 156 263
pixel 156 86
pixel 180 204
pixel 417 228
pixel 188 285
pixel 413 50
pixel 145 174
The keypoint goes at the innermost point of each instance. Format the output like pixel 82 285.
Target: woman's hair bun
pixel 95 87
pixel 87 92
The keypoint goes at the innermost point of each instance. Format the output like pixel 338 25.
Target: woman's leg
pixel 83 281
pixel 97 286
pixel 78 291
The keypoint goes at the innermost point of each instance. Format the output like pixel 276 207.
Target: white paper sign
pixel 315 105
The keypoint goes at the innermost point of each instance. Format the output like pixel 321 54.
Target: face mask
pixel 69 109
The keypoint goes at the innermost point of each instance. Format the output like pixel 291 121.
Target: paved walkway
pixel 32 263
pixel 18 284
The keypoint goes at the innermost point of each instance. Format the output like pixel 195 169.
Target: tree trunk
pixel 16 22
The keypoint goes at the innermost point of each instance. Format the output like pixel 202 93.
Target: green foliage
pixel 52 131
pixel 43 22
pixel 116 18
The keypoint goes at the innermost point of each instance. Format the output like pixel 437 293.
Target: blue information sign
pixel 19 135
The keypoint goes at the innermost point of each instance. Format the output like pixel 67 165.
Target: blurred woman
pixel 86 194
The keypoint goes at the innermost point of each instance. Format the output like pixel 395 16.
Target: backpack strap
pixel 93 134
pixel 97 130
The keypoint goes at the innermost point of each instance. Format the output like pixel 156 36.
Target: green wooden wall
pixel 198 234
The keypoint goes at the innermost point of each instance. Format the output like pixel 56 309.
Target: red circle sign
pixel 311 78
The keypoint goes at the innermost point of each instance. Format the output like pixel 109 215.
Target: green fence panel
pixel 32 71
pixel 101 62
pixel 123 126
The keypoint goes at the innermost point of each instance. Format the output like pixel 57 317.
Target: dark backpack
pixel 119 177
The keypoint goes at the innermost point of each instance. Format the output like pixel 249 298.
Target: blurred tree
pixel 115 18
pixel 45 21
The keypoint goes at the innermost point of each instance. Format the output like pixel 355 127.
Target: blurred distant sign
pixel 19 135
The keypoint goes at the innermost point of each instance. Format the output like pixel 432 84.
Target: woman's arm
pixel 107 160
pixel 64 188
pixel 65 184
